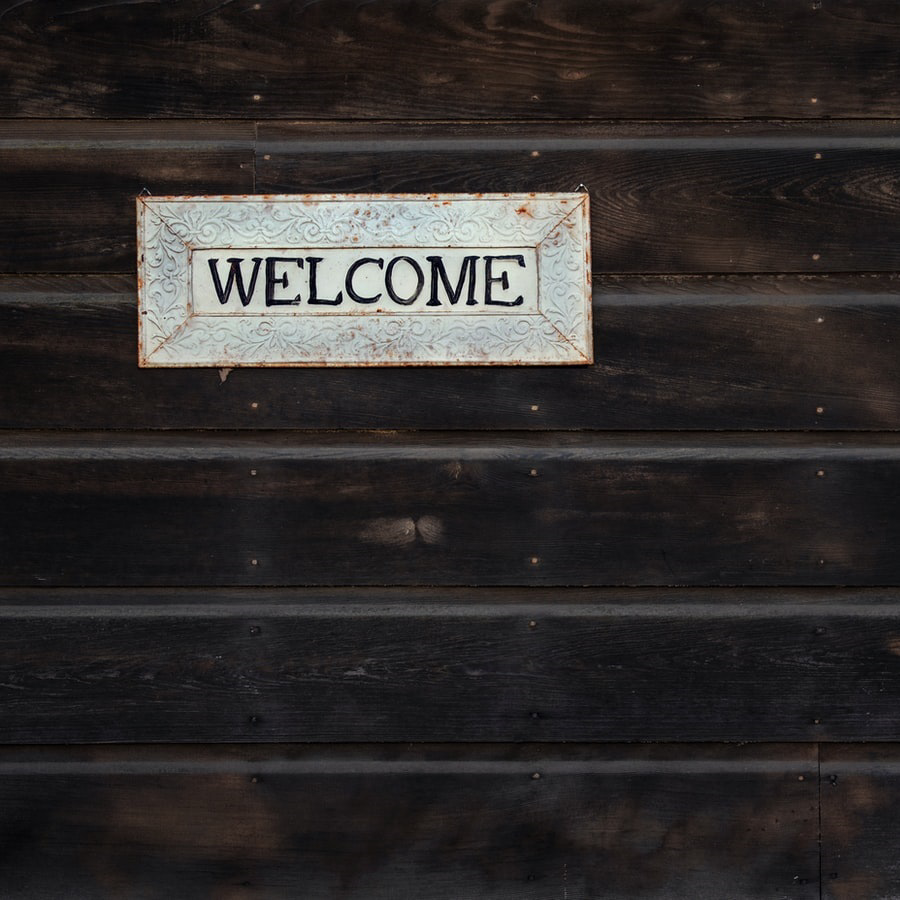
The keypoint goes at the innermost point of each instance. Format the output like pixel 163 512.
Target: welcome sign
pixel 364 280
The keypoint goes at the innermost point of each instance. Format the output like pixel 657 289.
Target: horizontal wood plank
pixel 475 665
pixel 459 59
pixel 371 823
pixel 68 195
pixel 560 509
pixel 670 198
pixel 860 828
pixel 671 353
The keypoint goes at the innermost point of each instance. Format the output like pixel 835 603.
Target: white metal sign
pixel 364 280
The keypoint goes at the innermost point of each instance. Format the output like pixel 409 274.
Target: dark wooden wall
pixel 623 631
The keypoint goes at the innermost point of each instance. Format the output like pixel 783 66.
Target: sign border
pixel 169 228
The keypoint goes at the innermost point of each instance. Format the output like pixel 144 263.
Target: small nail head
pixel 535 407
pixel 821 473
pixel 820 410
pixel 535 560
pixel 533 473
pixel 254 562
pixel 254 405
pixel 532 624
pixel 816 257
pixel 535 776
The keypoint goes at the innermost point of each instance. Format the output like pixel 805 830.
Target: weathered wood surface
pixel 860 827
pixel 669 198
pixel 456 59
pixel 672 198
pixel 345 509
pixel 471 664
pixel 67 196
pixel 370 823
pixel 672 353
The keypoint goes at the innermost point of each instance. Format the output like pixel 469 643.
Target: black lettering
pixel 389 283
pixel 503 278
pixel 235 276
pixel 272 280
pixel 314 297
pixel 348 281
pixel 467 270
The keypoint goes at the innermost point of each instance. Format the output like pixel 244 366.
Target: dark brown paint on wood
pixel 564 509
pixel 365 823
pixel 860 829
pixel 448 665
pixel 672 353
pixel 68 204
pixel 712 195
pixel 669 199
pixel 461 59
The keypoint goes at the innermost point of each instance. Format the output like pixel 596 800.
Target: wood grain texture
pixel 459 59
pixel 147 569
pixel 672 353
pixel 81 666
pixel 343 509
pixel 68 192
pixel 860 829
pixel 665 198
pixel 670 198
pixel 371 823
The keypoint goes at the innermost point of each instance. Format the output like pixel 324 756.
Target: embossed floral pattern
pixel 172 335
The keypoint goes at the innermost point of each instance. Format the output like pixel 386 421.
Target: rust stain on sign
pixel 362 280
